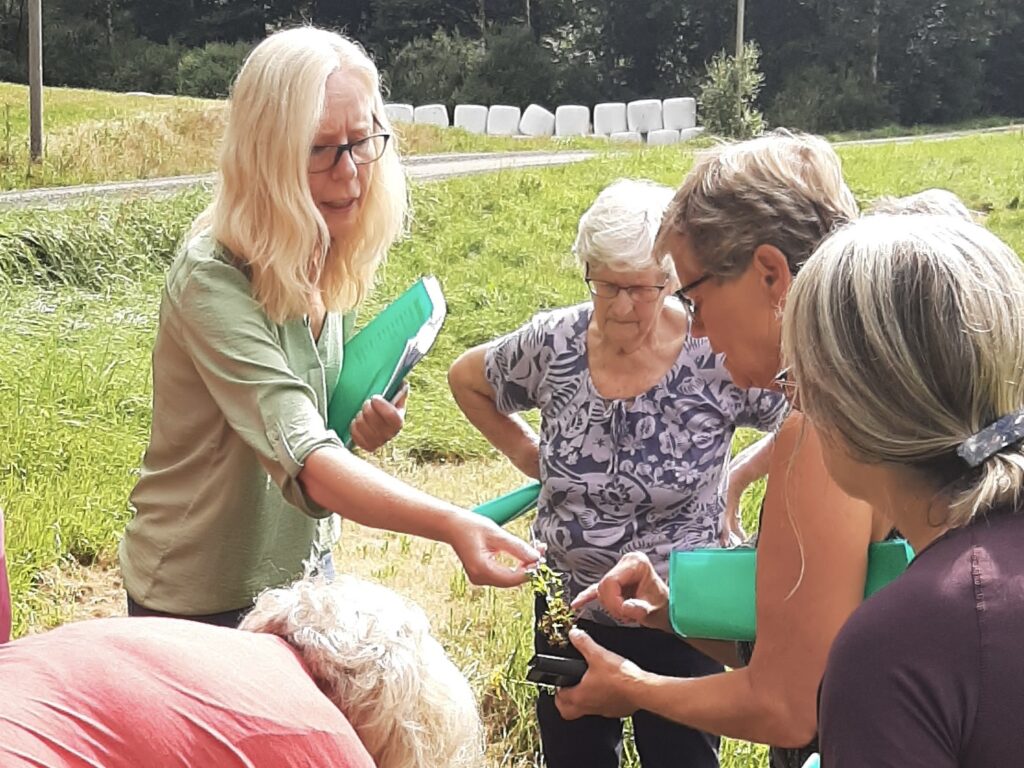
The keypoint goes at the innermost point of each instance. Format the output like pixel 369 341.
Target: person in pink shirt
pixel 343 674
pixel 5 591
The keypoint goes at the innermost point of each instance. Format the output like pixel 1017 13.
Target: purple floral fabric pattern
pixel 637 474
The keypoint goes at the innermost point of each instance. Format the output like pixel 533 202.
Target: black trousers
pixel 596 742
pixel 226 619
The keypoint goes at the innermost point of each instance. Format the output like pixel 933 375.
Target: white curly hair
pixel 371 652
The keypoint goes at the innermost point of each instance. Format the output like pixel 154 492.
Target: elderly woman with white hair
pixel 241 465
pixel 343 674
pixel 636 421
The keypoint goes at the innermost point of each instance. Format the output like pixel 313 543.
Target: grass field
pixel 94 136
pixel 79 289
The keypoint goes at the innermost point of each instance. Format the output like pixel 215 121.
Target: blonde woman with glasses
pixel 636 420
pixel 745 220
pixel 240 465
pixel 906 339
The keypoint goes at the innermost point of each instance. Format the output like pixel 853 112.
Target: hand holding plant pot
pixel 610 688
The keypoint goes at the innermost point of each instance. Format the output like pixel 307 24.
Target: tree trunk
pixel 876 12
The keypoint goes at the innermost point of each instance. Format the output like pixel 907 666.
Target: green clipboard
pixel 379 357
pixel 712 592
pixel 509 506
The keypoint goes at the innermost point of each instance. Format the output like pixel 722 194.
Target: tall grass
pixel 79 290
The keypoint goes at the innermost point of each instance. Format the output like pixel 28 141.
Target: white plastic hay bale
pixel 432 114
pixel 609 118
pixel 503 120
pixel 471 117
pixel 663 136
pixel 399 113
pixel 690 133
pixel 679 113
pixel 537 121
pixel 644 115
pixel 572 120
pixel 633 136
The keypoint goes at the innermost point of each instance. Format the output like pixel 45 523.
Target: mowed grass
pixel 79 290
pixel 96 136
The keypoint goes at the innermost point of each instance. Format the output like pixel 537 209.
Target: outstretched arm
pixel 812 560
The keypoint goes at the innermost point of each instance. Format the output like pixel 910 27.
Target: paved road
pixel 423 167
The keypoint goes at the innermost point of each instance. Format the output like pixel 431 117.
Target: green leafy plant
pixel 558 617
pixel 728 95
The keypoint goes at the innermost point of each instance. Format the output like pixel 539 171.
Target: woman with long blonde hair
pixel 241 468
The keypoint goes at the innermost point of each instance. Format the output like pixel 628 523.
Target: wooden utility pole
pixel 35 79
pixel 739 27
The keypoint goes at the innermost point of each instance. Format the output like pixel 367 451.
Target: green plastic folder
pixel 379 357
pixel 511 505
pixel 712 592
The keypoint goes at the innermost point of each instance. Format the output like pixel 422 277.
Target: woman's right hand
pixel 481 544
pixel 631 591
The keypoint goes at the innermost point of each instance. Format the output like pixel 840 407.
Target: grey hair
pixel 906 336
pixel 371 652
pixel 619 229
pixel 781 189
pixel 938 202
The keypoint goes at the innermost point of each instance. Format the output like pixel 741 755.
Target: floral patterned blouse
pixel 644 473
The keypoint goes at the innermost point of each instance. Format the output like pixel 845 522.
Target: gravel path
pixel 421 168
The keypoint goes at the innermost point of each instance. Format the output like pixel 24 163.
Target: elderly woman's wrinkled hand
pixel 480 545
pixel 379 421
pixel 609 688
pixel 631 591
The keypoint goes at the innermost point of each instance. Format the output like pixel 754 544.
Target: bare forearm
pixel 753 461
pixel 347 485
pixel 722 651
pixel 509 434
pixel 728 704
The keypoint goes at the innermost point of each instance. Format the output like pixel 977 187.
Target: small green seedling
pixel 558 617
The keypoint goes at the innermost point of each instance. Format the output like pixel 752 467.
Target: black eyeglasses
pixel 641 294
pixel 323 157
pixel 686 300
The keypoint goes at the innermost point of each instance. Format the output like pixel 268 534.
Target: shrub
pixel 208 72
pixel 75 53
pixel 142 65
pixel 514 69
pixel 432 69
pixel 729 92
pixel 814 99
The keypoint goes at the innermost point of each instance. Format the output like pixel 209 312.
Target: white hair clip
pixel 986 443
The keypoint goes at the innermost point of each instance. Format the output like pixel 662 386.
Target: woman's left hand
pixel 479 543
pixel 732 533
pixel 608 688
pixel 379 421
